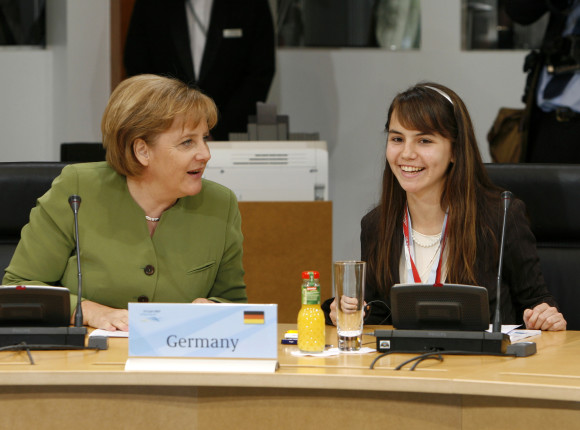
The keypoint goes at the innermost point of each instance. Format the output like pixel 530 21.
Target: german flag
pixel 253 317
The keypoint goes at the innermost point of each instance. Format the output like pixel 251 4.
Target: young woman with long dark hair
pixel 440 217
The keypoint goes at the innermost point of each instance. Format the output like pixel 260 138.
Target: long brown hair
pixel 468 194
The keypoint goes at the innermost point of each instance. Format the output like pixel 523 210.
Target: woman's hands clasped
pixel 544 317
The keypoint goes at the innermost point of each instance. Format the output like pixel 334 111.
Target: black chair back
pixel 551 193
pixel 21 184
pixel 82 152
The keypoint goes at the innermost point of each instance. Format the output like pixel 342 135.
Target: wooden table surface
pixel 460 392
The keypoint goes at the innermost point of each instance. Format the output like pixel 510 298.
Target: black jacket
pixel 235 71
pixel 523 285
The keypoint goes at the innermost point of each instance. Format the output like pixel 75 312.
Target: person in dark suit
pixel 238 60
pixel 440 217
pixel 554 79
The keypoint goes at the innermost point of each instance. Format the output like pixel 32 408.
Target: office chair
pixel 551 193
pixel 21 184
pixel 81 152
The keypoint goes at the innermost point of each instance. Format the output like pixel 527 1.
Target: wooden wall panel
pixel 281 240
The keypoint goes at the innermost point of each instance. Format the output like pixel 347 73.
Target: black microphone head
pixel 506 199
pixel 74 201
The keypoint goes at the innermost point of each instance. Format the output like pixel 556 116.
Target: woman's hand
pixel 332 313
pixel 104 317
pixel 347 304
pixel 202 300
pixel 544 317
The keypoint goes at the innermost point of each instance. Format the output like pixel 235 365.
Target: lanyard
pixel 435 275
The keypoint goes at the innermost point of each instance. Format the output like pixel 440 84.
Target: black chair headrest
pixel 21 184
pixel 551 193
pixel 81 152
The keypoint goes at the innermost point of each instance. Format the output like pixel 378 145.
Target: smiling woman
pixel 439 216
pixel 151 228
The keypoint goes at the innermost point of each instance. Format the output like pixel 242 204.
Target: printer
pixel 282 170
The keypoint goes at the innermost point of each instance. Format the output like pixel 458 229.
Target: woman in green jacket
pixel 150 228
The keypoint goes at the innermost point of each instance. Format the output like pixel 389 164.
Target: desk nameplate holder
pixel 192 337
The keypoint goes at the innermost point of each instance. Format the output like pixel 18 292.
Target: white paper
pixel 515 333
pixel 330 352
pixel 106 333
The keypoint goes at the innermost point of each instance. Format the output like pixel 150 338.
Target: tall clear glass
pixel 349 286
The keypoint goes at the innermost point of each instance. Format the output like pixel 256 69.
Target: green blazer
pixel 196 250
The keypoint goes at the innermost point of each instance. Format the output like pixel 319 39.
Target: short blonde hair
pixel 144 106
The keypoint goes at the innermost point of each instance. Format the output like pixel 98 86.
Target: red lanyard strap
pixel 435 275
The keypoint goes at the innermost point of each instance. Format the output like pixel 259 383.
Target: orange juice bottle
pixel 311 331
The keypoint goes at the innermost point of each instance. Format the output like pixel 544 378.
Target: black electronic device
pixel 446 307
pixel 37 315
pixel 34 306
pixel 450 317
pixel 421 341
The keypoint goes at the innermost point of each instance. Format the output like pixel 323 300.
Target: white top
pixel 426 249
pixel 198 19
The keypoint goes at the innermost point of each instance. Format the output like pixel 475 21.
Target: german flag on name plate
pixel 253 317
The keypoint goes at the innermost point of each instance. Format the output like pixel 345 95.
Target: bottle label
pixel 311 294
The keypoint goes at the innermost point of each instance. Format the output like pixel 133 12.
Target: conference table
pixel 91 389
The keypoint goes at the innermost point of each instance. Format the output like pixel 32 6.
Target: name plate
pixel 221 330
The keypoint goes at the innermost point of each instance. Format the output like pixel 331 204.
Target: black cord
pixel 370 310
pixel 434 354
pixel 431 357
pixel 379 357
pixel 40 347
pixel 30 359
pixel 20 346
pixel 23 346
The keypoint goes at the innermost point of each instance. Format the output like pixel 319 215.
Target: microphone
pixel 75 202
pixel 506 199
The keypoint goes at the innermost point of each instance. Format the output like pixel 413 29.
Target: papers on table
pixel 515 333
pixel 106 333
pixel 331 351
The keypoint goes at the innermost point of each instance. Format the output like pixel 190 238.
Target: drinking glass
pixel 349 285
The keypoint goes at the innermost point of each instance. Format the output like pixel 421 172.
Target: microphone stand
pixel 75 202
pixel 506 198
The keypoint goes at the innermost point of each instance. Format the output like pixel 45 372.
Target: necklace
pixel 419 239
pixel 429 266
pixel 148 218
